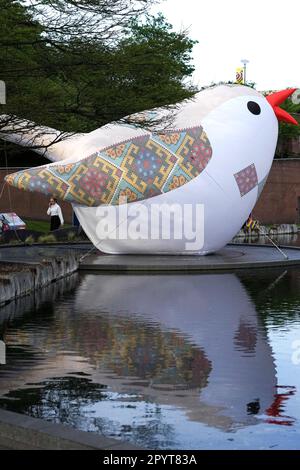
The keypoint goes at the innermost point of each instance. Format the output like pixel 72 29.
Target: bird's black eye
pixel 253 107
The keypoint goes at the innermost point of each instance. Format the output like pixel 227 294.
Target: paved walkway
pixel 35 253
pixel 232 257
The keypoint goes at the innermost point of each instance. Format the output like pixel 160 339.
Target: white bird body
pixel 210 182
pixel 237 143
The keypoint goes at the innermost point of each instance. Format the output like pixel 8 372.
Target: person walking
pixel 55 212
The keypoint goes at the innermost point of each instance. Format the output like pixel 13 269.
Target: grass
pixel 37 225
pixel 40 225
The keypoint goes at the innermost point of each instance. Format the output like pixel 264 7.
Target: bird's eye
pixel 253 107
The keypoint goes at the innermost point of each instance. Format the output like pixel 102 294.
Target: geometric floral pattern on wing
pixel 115 151
pixel 170 138
pixel 194 152
pixel 94 181
pixel 246 179
pixel 56 186
pixel 136 169
pixel 11 179
pixel 43 181
pixel 147 165
pixel 176 182
pixel 126 193
pixel 64 169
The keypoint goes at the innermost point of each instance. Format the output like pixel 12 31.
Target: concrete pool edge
pixel 29 276
pixel 231 258
pixel 22 432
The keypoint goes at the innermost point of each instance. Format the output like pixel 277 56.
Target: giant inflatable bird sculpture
pixel 184 189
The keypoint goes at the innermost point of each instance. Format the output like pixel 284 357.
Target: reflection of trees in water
pixel 66 400
pixel 276 294
pixel 39 303
pixel 22 320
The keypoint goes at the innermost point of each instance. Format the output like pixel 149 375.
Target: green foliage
pixel 50 238
pixel 61 74
pixel 37 225
pixel 20 59
pixel 71 236
pixel 14 242
pixel 29 240
pixel 287 132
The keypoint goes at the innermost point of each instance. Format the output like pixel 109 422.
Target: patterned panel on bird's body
pixel 246 179
pixel 137 169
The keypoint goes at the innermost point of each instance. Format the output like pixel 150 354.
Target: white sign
pixel 12 220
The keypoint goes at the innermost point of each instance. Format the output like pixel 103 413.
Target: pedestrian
pixel 55 212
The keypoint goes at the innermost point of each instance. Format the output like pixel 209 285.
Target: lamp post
pixel 245 62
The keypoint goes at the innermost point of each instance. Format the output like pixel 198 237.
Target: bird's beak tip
pixel 276 99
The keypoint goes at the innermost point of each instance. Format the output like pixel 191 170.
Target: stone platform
pixel 232 257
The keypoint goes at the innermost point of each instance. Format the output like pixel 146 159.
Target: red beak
pixel 275 99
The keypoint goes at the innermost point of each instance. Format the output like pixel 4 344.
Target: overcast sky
pixel 265 32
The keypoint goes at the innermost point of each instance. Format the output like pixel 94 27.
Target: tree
pixel 145 69
pixel 288 132
pixel 77 65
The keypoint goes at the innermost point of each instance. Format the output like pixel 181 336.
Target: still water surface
pixel 164 361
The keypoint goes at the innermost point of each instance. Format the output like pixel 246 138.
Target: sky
pixel 265 32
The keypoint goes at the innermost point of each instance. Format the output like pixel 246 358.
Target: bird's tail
pixel 51 143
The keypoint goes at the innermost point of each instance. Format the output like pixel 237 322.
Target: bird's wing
pixel 131 170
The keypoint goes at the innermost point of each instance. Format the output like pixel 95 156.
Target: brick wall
pixel 278 203
pixel 280 199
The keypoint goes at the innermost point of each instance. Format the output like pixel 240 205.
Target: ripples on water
pixel 191 361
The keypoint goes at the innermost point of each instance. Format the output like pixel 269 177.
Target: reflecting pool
pixel 208 361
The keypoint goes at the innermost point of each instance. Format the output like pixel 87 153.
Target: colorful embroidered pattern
pixel 134 170
pixel 246 179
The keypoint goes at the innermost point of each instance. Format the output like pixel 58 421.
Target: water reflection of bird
pixel 215 315
pixel 217 152
pixel 195 343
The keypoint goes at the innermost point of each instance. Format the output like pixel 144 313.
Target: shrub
pixel 14 242
pixel 29 240
pixel 71 236
pixel 50 238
